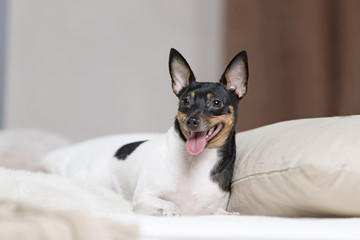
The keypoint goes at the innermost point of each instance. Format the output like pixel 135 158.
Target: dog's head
pixel 207 111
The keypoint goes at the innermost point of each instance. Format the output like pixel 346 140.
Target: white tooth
pixel 210 131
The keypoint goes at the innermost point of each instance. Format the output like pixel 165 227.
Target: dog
pixel 188 170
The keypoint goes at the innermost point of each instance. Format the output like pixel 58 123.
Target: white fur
pixel 59 193
pixel 159 177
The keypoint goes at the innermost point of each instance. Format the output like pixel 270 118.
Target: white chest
pixel 190 186
pixel 195 198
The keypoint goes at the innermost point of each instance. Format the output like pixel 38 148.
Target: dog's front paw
pixel 157 207
pixel 169 209
pixel 233 213
pixel 221 211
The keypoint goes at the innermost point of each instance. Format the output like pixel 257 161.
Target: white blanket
pixel 243 227
pixel 58 193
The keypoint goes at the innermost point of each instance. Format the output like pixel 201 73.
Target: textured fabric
pixel 55 192
pixel 300 168
pixel 21 221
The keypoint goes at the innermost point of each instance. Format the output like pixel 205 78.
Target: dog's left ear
pixel 180 71
pixel 236 75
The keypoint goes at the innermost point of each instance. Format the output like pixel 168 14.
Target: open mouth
pixel 197 141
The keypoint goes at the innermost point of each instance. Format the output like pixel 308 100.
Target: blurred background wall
pixel 89 68
pixel 3 24
pixel 304 58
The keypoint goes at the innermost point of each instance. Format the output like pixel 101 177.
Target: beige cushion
pixel 300 168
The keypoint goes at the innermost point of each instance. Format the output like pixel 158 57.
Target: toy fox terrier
pixel 188 170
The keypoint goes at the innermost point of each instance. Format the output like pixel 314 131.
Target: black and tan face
pixel 207 111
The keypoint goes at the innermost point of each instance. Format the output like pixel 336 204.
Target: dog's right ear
pixel 180 72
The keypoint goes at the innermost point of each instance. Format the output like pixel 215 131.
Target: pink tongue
pixel 196 143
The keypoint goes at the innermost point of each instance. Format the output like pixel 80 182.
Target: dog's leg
pixel 151 205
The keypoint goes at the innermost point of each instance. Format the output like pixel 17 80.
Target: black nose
pixel 193 123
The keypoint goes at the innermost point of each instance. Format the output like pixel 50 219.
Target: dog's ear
pixel 236 75
pixel 180 72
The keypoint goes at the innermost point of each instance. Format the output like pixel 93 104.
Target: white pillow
pixel 300 168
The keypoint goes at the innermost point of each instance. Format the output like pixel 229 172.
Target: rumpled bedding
pixel 20 221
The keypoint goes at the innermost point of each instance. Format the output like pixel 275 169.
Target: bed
pixel 293 180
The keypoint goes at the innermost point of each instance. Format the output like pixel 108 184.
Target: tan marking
pixel 192 94
pixel 209 95
pixel 228 83
pixel 228 122
pixel 181 118
pixel 187 78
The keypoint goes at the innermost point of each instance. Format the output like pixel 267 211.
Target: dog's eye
pixel 185 102
pixel 216 103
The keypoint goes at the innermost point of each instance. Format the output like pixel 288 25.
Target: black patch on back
pixel 223 171
pixel 127 149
